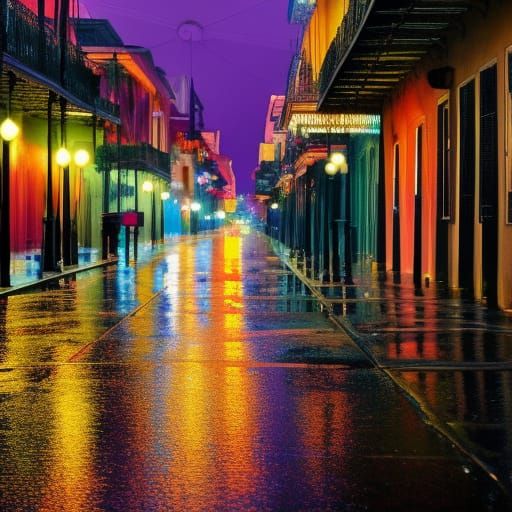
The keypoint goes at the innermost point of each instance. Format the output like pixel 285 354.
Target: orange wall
pixel 413 105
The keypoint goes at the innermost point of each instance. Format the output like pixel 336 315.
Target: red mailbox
pixel 133 219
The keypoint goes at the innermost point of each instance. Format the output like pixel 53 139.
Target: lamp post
pixel 148 187
pixel 63 158
pixel 8 131
pixel 81 159
pixel 164 196
pixel 49 256
pixel 338 164
pixel 274 207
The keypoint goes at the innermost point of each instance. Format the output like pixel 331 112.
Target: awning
pixel 378 44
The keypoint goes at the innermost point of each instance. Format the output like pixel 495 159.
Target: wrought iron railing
pixel 341 43
pixel 106 106
pixel 302 87
pixel 143 157
pixel 41 52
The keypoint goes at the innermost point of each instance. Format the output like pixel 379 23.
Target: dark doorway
pixel 467 186
pixel 443 192
pixel 418 231
pixel 489 183
pixel 396 210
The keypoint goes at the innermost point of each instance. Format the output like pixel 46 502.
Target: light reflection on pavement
pixel 207 379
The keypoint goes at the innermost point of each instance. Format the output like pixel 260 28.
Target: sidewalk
pixel 453 357
pixel 26 269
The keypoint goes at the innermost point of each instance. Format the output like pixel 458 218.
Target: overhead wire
pixel 129 12
pixel 237 13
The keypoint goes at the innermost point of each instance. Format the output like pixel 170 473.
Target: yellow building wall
pixel 267 153
pixel 321 30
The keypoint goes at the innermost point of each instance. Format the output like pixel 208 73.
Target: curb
pixel 427 415
pixel 55 277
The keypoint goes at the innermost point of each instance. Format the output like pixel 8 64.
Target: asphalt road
pixel 208 379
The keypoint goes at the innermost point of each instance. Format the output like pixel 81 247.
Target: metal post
pixel 136 228
pixel 381 213
pixel 153 219
pixel 66 242
pixel 348 232
pixel 336 274
pixel 162 234
pixel 5 199
pixel 118 134
pixel 5 242
pixel 49 263
pixel 127 245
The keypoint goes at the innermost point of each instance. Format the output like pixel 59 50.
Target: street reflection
pixel 72 483
pixel 477 407
pixel 226 391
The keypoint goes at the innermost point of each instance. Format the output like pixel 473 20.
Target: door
pixel 489 183
pixel 467 186
pixel 443 192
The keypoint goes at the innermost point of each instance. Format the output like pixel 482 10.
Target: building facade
pixel 445 106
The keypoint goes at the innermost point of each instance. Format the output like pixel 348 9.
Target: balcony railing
pixel 341 43
pixel 42 53
pixel 143 157
pixel 302 88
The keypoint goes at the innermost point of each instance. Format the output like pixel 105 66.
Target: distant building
pixel 271 150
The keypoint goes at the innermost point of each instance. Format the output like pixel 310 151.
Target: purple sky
pixel 243 59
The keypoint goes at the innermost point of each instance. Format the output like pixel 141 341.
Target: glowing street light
pixel 274 206
pixel 81 158
pixel 164 196
pixel 147 186
pixel 331 168
pixel 9 130
pixel 195 207
pixel 63 157
pixel 337 163
pixel 221 214
pixel 338 159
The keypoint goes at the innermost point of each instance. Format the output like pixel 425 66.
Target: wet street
pixel 209 378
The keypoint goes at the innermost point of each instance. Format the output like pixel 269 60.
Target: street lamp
pixel 8 131
pixel 164 196
pixel 338 163
pixel 81 158
pixel 148 187
pixel 63 159
pixel 274 206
